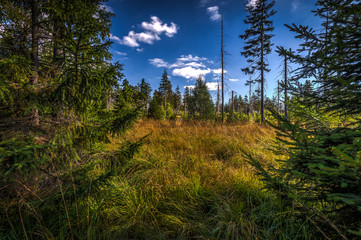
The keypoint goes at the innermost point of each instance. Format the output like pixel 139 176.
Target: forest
pixel 85 154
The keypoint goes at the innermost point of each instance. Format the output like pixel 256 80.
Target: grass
pixel 189 181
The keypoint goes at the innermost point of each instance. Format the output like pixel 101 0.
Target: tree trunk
pixel 262 74
pixel 222 55
pixel 35 55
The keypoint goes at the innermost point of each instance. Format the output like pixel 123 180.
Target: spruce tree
pixel 201 105
pixel 144 95
pixel 258 41
pixel 322 171
pixel 165 89
pixel 177 99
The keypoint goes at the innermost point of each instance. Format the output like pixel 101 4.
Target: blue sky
pixel 183 36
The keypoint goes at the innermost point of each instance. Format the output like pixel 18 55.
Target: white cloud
pixel 115 38
pixel 121 53
pixel 133 38
pixel 146 37
pixel 188 61
pixel 213 86
pixel 151 33
pixel 158 62
pixel 140 49
pixel 218 71
pixel 179 64
pixel 187 66
pixel 252 3
pixel 195 64
pixel 156 26
pixel 213 11
pixel 233 80
pixel 190 72
pixel 190 58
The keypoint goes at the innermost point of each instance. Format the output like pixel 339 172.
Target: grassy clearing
pixel 190 181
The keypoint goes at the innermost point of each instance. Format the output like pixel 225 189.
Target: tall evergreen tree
pixel 177 100
pixel 258 41
pixel 144 94
pixel 165 89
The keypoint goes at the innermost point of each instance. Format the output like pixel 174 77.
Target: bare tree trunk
pixel 222 55
pixel 218 98
pixel 35 54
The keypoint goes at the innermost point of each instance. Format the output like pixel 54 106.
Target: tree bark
pixel 35 55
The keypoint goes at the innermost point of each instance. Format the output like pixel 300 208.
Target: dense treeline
pixel 194 103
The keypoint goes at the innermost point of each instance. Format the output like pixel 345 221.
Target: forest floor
pixel 191 181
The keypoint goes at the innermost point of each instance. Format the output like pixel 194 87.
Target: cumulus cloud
pixel 156 26
pixel 190 72
pixel 158 62
pixel 152 32
pixel 233 80
pixel 213 11
pixel 218 71
pixel 187 66
pixel 140 49
pixel 213 86
pixel 190 58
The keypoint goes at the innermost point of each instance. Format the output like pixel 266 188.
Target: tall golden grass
pixel 191 181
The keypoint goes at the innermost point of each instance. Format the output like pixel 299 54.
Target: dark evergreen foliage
pixel 200 104
pixel 322 174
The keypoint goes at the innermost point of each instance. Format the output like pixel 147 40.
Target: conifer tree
pixel 144 94
pixel 186 100
pixel 177 99
pixel 322 173
pixel 258 41
pixel 165 89
pixel 201 105
pixel 57 158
